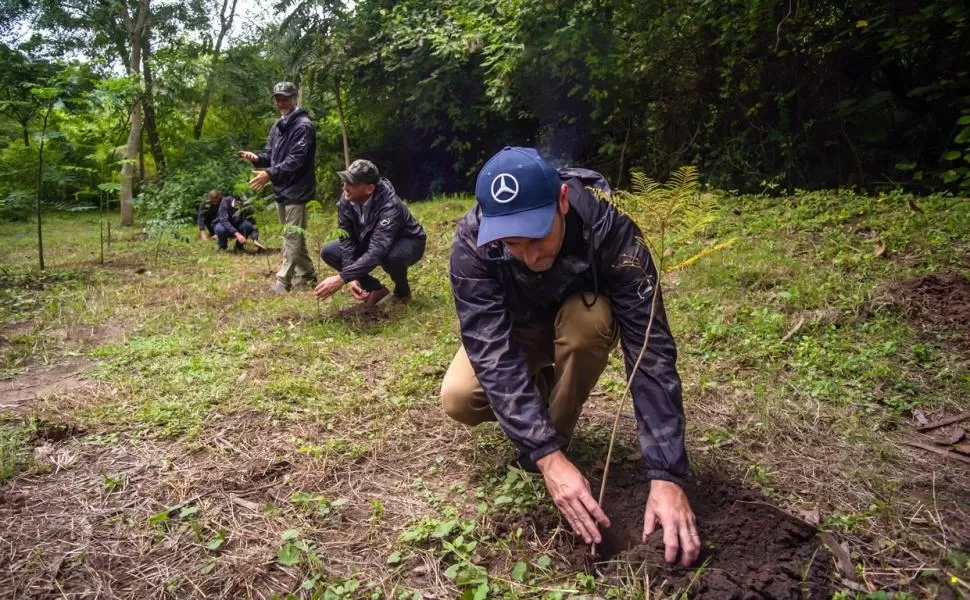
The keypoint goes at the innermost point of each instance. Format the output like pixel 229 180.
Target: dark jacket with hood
pixel 231 214
pixel 386 219
pixel 290 154
pixel 494 292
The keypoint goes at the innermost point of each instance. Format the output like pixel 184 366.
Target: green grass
pixel 792 350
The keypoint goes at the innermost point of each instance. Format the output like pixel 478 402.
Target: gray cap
pixel 284 88
pixel 360 171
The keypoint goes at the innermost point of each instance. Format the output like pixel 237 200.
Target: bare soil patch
pixel 938 301
pixel 752 549
pixel 37 382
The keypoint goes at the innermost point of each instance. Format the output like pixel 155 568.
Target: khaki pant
pixel 577 348
pixel 297 266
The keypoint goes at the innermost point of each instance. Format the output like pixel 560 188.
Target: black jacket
pixel 231 213
pixel 367 244
pixel 207 214
pixel 494 292
pixel 290 154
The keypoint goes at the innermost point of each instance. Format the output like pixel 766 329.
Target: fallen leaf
pixel 811 516
pixel 880 249
pixel 842 556
pixel 420 570
pixel 877 391
pixel 920 417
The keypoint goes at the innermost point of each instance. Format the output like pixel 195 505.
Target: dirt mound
pixel 939 300
pixel 752 549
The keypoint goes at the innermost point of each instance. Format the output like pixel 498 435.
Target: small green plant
pixel 295 549
pixel 377 514
pixel 318 505
pixel 113 483
pixel 514 493
pixel 458 538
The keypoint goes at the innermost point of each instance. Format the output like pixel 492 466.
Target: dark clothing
pixel 495 293
pixel 403 253
pixel 245 227
pixel 369 238
pixel 232 212
pixel 290 154
pixel 232 217
pixel 206 216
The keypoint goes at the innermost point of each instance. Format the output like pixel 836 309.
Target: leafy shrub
pixel 177 197
pixel 16 205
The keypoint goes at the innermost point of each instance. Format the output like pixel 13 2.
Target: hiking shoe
pixel 374 298
pixel 279 287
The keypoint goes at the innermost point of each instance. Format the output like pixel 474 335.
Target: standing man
pixel 380 231
pixel 546 278
pixel 290 157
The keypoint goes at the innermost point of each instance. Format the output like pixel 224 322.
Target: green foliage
pixel 176 198
pixel 13 455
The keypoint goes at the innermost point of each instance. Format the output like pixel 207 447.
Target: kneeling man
pixel 380 231
pixel 546 278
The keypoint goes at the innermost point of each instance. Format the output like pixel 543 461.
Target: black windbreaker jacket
pixel 494 292
pixel 290 154
pixel 386 219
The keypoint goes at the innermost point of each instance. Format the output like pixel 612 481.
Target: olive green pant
pixel 576 346
pixel 297 266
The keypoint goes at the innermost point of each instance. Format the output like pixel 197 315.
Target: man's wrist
pixel 665 476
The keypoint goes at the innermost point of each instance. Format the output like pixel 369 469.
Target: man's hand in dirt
pixel 570 491
pixel 250 156
pixel 328 287
pixel 240 238
pixel 357 291
pixel 668 507
pixel 203 236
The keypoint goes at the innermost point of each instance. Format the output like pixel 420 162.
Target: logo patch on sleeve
pixel 384 222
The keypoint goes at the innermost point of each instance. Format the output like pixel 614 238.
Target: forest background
pixel 149 99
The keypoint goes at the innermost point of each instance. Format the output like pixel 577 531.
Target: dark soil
pixel 752 550
pixel 938 301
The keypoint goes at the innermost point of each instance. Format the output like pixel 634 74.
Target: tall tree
pixel 137 29
pixel 225 24
pixel 148 104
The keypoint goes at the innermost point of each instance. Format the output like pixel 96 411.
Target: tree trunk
pixel 225 24
pixel 340 117
pixel 136 33
pixel 148 104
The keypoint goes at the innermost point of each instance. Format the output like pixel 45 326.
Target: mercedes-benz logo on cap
pixel 505 188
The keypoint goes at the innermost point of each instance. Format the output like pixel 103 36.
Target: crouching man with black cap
pixel 380 232
pixel 547 278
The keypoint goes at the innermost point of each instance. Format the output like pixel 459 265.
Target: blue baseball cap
pixel 517 191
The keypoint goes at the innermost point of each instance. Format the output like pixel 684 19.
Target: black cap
pixel 360 171
pixel 284 88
